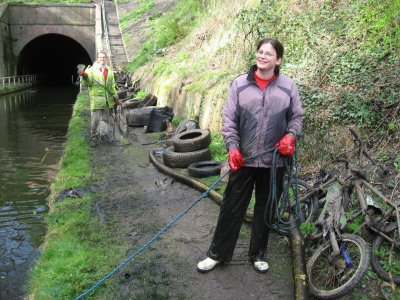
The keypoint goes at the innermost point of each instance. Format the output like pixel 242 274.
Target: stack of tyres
pixel 189 147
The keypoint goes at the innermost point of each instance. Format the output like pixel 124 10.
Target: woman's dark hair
pixel 278 49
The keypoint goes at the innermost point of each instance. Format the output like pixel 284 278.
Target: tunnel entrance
pixel 53 57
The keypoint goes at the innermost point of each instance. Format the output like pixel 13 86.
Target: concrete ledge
pixel 12 89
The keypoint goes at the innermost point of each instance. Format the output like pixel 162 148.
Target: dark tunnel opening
pixel 54 58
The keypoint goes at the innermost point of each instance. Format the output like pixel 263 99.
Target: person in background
pixel 100 81
pixel 263 111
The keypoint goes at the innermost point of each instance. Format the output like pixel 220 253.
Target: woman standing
pixel 263 110
pixel 100 81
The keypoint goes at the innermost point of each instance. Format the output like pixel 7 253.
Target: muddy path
pixel 135 201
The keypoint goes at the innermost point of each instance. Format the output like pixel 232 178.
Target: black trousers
pixel 234 205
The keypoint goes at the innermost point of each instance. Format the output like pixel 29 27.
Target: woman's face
pixel 102 59
pixel 266 58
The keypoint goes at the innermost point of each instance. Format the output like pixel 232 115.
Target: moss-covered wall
pixel 172 93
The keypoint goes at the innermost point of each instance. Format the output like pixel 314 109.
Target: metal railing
pixel 15 80
pixel 106 37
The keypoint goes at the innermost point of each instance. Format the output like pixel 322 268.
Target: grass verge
pixel 78 250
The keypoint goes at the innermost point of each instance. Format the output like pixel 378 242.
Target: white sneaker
pixel 207 265
pixel 261 266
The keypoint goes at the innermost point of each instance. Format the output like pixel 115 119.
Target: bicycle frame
pixel 332 212
pixel 375 225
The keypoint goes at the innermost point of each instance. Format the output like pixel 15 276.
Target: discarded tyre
pixel 204 168
pixel 133 103
pixel 329 276
pixel 158 118
pixel 184 159
pixel 382 255
pixel 139 116
pixel 192 140
pixel 169 143
pixel 185 125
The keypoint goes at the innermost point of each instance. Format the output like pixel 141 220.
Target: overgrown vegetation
pixel 346 64
pixel 166 30
pixel 144 6
pixel 79 250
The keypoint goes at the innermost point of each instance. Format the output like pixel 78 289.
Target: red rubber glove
pixel 83 73
pixel 286 145
pixel 235 159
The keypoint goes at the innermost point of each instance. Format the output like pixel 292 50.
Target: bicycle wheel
pixel 382 255
pixel 308 207
pixel 331 277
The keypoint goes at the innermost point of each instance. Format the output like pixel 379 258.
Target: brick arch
pixel 28 22
pixel 85 42
pixel 53 57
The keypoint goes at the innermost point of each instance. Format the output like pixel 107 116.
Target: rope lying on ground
pixel 153 239
pixel 165 228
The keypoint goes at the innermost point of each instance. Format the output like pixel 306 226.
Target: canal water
pixel 33 126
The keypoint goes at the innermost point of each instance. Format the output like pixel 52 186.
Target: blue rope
pixel 152 240
pixel 162 230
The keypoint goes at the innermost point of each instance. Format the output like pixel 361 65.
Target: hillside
pixel 346 64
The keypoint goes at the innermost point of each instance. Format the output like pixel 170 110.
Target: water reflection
pixel 33 124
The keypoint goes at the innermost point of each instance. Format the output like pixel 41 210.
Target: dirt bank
pixel 135 201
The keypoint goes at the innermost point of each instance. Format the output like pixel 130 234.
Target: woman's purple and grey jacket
pixel 254 121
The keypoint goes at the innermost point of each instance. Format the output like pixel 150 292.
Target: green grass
pixel 78 250
pixel 75 164
pixel 140 94
pixel 166 30
pixel 176 121
pixel 144 6
pixel 217 147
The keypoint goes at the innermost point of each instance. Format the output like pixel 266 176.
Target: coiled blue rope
pixel 285 206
